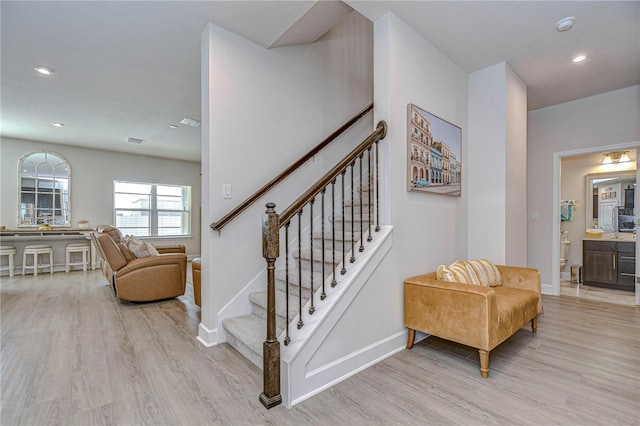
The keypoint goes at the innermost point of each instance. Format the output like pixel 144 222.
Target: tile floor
pixel 619 297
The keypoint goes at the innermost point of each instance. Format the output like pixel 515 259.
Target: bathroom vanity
pixel 609 263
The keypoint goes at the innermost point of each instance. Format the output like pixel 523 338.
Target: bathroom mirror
pixel 610 204
pixel 43 190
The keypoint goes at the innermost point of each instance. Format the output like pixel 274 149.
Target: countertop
pixel 615 240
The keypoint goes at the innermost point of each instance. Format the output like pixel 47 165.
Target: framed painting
pixel 434 153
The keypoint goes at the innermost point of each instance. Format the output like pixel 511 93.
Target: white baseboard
pixel 207 337
pixel 546 289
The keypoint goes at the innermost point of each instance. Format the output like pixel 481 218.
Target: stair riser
pixel 328 269
pixel 293 288
pixel 348 226
pixel 255 358
pixel 293 279
pixel 261 312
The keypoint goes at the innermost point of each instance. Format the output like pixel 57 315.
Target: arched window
pixel 44 180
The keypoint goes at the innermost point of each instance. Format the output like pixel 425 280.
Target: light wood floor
pixel 598 294
pixel 73 354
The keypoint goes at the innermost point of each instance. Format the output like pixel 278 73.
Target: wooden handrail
pixel 218 225
pixel 304 199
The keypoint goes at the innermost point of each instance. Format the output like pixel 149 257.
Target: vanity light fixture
pixel 616 157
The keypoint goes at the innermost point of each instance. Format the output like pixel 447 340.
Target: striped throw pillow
pixel 457 272
pixel 485 272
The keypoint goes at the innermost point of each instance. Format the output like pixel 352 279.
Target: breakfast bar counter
pixel 56 237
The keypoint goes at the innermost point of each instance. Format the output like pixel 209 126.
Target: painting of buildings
pixel 433 153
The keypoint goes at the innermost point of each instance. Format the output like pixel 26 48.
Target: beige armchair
pixel 140 279
pixel 473 315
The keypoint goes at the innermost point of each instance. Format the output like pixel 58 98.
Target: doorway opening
pixel 573 182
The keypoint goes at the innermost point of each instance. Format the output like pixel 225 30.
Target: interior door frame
pixel 555 202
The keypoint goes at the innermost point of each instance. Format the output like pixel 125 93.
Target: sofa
pixel 140 279
pixel 479 316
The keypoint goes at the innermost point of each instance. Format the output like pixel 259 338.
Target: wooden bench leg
pixel 411 337
pixel 484 363
pixel 534 324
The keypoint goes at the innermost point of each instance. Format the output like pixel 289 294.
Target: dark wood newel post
pixel 270 396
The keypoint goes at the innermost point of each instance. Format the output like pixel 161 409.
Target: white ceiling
pixel 130 69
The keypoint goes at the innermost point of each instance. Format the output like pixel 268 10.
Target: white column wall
pixel 262 110
pixel 597 121
pixel 497 176
pixel 487 171
pixel 516 171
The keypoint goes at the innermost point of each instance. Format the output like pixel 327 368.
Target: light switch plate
pixel 226 190
pixel 535 215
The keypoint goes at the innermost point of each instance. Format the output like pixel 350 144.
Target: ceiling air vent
pixel 190 122
pixel 135 140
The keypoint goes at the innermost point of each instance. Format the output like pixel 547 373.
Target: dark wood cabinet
pixel 609 264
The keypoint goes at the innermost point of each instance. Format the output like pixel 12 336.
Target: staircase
pixel 246 333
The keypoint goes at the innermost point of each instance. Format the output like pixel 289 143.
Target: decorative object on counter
pixel 45 227
pixel 83 224
pixel 593 233
pixel 2 228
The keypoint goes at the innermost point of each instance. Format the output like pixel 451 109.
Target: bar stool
pixel 35 250
pixel 71 248
pixel 8 251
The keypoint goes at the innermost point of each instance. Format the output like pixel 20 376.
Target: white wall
pixel 92 175
pixel 607 119
pixel 428 229
pixel 497 176
pixel 262 110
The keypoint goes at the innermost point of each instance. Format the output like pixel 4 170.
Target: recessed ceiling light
pixel 44 70
pixel 55 124
pixel 173 126
pixel 135 140
pixel 565 24
pixel 579 58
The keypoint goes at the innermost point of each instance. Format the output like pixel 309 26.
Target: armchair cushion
pixel 139 248
pixel 128 254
